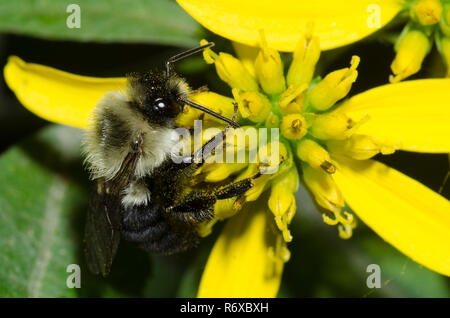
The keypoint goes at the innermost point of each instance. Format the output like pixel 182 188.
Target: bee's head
pixel 157 97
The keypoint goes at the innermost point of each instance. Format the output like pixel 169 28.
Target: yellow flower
pixel 333 148
pixel 335 24
pixel 336 168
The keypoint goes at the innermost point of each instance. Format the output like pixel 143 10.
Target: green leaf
pixel 38 205
pixel 155 21
pixel 44 195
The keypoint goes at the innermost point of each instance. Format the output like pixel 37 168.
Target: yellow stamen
pixel 327 219
pixel 280 253
pixel 282 225
pixel 345 231
pixel 346 218
pixel 293 126
pixel 334 86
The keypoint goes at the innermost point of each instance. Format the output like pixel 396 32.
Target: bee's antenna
pixel 184 54
pixel 208 111
pixel 187 53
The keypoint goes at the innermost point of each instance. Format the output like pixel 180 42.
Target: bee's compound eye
pixel 160 104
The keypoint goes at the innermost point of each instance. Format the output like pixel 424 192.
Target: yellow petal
pixel 55 95
pixel 411 115
pixel 336 23
pixel 242 262
pixel 401 210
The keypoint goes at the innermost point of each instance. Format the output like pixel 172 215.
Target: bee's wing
pixel 102 231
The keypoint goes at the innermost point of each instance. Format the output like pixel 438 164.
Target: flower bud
pixel 217 103
pixel 426 12
pixel 252 105
pixel 282 192
pixel 315 155
pixel 305 57
pixel 221 171
pixel 444 48
pixel 247 55
pixel 411 51
pixel 293 126
pixel 282 201
pixel 187 117
pixel 445 20
pixel 259 184
pixel 271 156
pixel 331 126
pixel 224 209
pixel 269 69
pixel 334 86
pixel 272 121
pixel 230 70
pixel 292 100
pixel 323 187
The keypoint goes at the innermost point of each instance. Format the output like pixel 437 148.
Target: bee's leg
pixel 236 188
pixel 199 157
pixel 197 206
pixel 214 141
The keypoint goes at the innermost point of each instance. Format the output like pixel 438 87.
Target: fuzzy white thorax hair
pixel 114 127
pixel 136 193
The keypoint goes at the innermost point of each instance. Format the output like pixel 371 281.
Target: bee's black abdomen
pixel 147 226
pixel 171 242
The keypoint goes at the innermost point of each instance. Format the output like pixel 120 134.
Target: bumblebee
pixel 139 193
